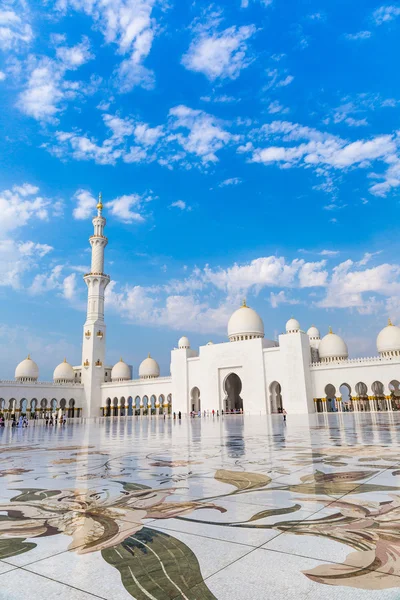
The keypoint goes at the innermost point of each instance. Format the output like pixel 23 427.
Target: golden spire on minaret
pixel 100 202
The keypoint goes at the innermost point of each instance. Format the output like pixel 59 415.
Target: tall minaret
pixel 94 331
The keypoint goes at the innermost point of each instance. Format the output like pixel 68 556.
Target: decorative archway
pixel 330 394
pixel 130 409
pixel 345 395
pixel 145 403
pixel 169 400
pixel 71 408
pixel 275 392
pixel 11 406
pixel 161 402
pixel 23 405
pixel 394 388
pixel 122 407
pixel 195 401
pixel 232 387
pixel 108 407
pixel 137 405
pixel 53 405
pixel 378 392
pixel 63 404
pixel 2 405
pixel 115 407
pixel 362 397
pixel 153 401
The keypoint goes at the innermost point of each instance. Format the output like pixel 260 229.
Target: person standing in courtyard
pixel 179 415
pixel 284 415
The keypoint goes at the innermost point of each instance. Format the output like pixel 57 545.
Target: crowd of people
pixel 50 418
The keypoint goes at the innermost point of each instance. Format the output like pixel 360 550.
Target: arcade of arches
pixel 35 408
pixel 145 405
pixel 376 398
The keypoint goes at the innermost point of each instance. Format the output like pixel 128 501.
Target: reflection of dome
pixel 27 370
pixel 149 368
pixel 63 373
pixel 313 333
pixel 292 325
pixel 184 343
pixel 332 348
pixel 388 340
pixel 245 324
pixel 120 371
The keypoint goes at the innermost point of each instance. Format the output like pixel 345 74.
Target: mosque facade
pixel 301 372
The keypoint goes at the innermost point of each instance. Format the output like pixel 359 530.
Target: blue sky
pixel 244 149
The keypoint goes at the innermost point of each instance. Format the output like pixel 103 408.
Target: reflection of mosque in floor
pixel 300 372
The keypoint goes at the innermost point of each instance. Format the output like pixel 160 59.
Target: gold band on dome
pixel 389 322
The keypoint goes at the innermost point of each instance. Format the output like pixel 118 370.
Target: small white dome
pixel 292 325
pixel 149 368
pixel 388 340
pixel 245 323
pixel 27 370
pixel 184 343
pixel 313 333
pixel 63 373
pixel 120 371
pixel 332 347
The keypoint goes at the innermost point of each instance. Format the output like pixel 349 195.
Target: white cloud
pixel 384 14
pixel 85 205
pixel 220 55
pixel 350 286
pixel 205 133
pixel 75 56
pixel 14 32
pixel 47 91
pixel 281 298
pixel 220 99
pixel 179 204
pixel 121 208
pixel 20 205
pixel 231 181
pixel 55 280
pixel 329 252
pixel 18 259
pixel 3 76
pixel 130 25
pixel 360 35
pixel 276 107
pixel 278 78
pixel 69 286
pixel 323 151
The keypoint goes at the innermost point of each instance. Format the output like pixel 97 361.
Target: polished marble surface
pixel 233 507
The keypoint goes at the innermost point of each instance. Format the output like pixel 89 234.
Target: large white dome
pixel 332 348
pixel 120 371
pixel 245 324
pixel 27 370
pixel 63 373
pixel 149 368
pixel 292 325
pixel 388 340
pixel 183 343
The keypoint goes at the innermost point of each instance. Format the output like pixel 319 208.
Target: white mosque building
pixel 300 372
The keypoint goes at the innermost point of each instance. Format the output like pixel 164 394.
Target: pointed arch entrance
pixel 275 391
pixel 233 387
pixel 195 403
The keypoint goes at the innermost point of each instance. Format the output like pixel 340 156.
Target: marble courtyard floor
pixel 229 508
